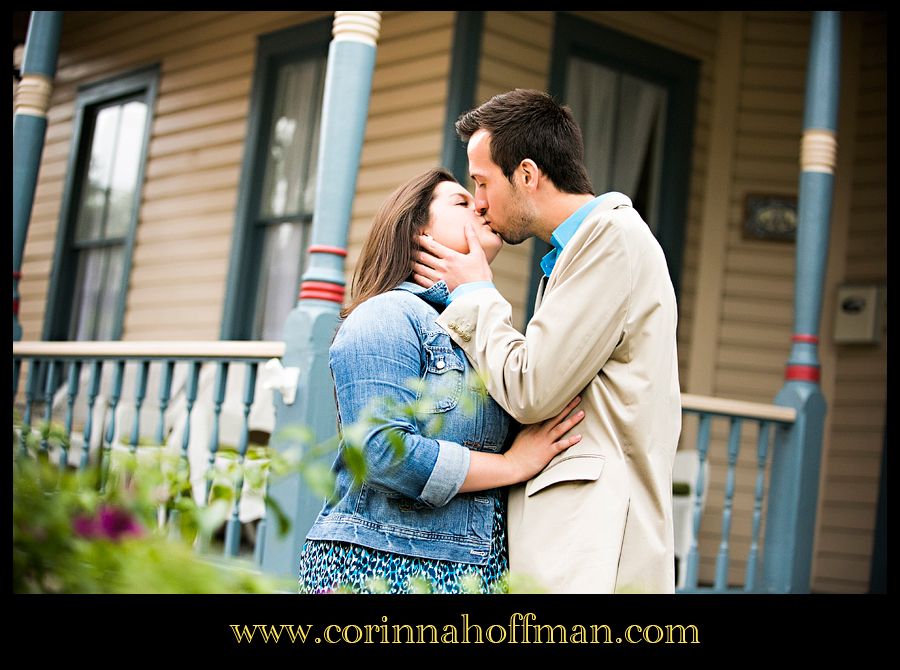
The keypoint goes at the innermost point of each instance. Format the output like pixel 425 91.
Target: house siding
pixel 755 303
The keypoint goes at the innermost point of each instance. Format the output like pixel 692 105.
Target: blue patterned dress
pixel 327 566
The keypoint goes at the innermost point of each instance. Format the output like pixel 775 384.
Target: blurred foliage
pixel 130 522
pixel 127 524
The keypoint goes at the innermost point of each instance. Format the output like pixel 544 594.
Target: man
pixel 598 518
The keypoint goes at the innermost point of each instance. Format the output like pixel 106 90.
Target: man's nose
pixel 481 206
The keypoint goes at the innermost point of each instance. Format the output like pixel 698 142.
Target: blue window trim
pixel 308 39
pixel 465 58
pixel 60 293
pixel 679 74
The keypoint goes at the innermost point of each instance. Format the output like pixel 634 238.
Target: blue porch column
pixel 794 484
pixel 29 128
pixel 310 327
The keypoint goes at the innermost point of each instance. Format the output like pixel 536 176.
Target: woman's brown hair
pixel 387 256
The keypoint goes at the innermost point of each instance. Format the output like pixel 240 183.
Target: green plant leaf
pixel 273 507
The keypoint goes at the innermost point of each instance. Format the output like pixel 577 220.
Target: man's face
pixel 506 208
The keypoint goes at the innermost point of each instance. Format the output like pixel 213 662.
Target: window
pixel 278 182
pixel 100 208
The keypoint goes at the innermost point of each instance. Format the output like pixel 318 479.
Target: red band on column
pixel 15 307
pixel 808 339
pixel 17 275
pixel 323 249
pixel 802 373
pixel 320 290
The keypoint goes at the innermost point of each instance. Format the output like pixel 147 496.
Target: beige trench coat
pixel 598 518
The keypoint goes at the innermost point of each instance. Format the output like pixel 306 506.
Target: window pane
pixel 97 290
pixel 110 187
pixel 289 182
pixel 124 186
pixel 279 278
pixel 98 175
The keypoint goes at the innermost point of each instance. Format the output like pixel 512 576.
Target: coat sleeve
pixel 572 334
pixel 375 375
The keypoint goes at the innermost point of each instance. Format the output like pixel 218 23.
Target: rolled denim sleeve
pixel 376 362
pixel 445 481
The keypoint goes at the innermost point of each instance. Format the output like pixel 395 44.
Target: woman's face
pixel 451 209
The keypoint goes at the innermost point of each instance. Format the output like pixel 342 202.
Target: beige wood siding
pixel 187 210
pixel 757 308
pixel 755 302
pixel 404 131
pixel 852 463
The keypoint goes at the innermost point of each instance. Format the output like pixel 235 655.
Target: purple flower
pixel 109 523
pixel 84 526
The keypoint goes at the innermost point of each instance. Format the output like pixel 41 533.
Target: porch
pixel 210 407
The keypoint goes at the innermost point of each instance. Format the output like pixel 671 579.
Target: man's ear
pixel 530 174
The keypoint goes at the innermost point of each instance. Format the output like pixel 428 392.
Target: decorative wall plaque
pixel 770 217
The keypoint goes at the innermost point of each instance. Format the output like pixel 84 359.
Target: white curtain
pixel 640 108
pixel 592 95
pixel 619 115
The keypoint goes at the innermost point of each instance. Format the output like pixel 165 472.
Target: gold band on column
pixel 818 151
pixel 357 27
pixel 33 95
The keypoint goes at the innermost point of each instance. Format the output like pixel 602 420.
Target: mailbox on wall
pixel 858 316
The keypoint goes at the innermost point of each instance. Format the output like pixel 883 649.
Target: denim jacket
pixel 389 352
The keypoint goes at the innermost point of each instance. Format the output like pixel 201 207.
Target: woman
pixel 431 506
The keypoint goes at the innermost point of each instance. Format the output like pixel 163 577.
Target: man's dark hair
pixel 525 123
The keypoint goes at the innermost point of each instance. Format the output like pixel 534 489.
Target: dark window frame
pixel 141 83
pixel 274 49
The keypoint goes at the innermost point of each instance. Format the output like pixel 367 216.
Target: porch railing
pixel 768 420
pixel 198 397
pixel 106 394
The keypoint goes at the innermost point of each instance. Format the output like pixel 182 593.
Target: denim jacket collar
pixel 437 295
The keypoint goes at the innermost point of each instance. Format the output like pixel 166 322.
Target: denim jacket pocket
pixel 444 378
pixel 580 467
